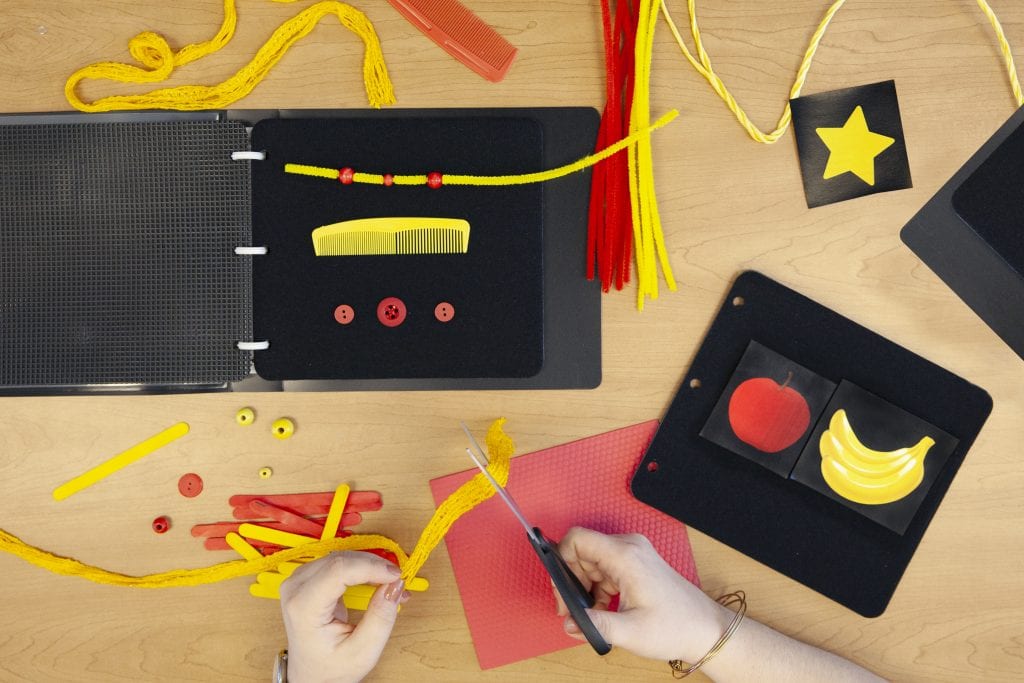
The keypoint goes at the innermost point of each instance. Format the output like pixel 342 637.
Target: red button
pixel 344 314
pixel 391 312
pixel 444 311
pixel 161 525
pixel 190 485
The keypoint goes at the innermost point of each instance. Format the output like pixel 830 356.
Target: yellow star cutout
pixel 853 148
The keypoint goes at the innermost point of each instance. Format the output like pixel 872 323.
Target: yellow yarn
pixel 464 499
pixel 492 180
pixel 159 61
pixel 702 63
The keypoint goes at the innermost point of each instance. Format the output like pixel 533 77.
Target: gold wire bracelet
pixel 681 670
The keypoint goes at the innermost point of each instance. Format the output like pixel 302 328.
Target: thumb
pixel 372 633
pixel 614 627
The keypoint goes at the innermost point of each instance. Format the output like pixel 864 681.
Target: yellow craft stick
pixel 275 536
pixel 241 546
pixel 120 460
pixel 273 592
pixel 334 512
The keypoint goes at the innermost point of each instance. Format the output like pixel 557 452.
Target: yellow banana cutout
pixel 864 475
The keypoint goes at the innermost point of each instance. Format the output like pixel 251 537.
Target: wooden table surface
pixel 728 204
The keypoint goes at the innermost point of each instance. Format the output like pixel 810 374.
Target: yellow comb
pixel 387 236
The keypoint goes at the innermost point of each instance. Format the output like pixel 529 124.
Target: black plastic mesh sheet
pixel 117 261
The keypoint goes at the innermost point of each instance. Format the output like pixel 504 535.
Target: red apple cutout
pixel 768 416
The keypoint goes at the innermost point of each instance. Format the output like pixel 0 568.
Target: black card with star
pixel 850 143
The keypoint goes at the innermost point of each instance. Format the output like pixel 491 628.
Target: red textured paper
pixel 505 591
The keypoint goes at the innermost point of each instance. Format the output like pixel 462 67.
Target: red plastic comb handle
pixel 461 34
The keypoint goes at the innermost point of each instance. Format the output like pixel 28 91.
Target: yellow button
pixel 245 417
pixel 282 428
pixel 266 473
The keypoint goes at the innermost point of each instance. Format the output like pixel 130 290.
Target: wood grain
pixel 728 204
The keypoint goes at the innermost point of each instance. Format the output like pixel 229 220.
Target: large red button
pixel 391 312
pixel 190 485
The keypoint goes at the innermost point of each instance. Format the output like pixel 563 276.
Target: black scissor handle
pixel 576 598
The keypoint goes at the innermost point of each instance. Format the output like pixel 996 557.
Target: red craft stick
pixel 218 543
pixel 292 522
pixel 308 504
pixel 222 528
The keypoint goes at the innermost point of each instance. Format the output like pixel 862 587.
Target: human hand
pixel 661 615
pixel 322 645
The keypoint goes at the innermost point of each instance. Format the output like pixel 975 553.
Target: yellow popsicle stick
pixel 120 460
pixel 241 546
pixel 273 592
pixel 275 536
pixel 334 513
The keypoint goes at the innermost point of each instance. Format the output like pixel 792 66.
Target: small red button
pixel 161 525
pixel 391 312
pixel 190 485
pixel 344 314
pixel 444 311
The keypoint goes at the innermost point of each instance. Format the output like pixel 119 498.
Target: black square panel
pixel 780 522
pixel 495 288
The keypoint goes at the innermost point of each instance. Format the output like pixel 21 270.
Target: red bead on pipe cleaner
pixel 434 180
pixel 346 175
pixel 389 179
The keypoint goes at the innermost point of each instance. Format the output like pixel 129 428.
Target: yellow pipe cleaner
pixel 159 61
pixel 464 499
pixel 702 63
pixel 490 180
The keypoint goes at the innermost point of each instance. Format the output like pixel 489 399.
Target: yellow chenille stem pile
pixel 464 499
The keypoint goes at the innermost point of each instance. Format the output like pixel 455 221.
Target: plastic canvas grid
pixel 506 594
pixel 116 253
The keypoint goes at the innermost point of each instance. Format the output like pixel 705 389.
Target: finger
pixel 315 600
pixel 372 633
pixel 608 557
pixel 614 627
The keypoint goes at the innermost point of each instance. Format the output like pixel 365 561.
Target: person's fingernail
pixel 394 569
pixel 571 628
pixel 405 597
pixel 394 591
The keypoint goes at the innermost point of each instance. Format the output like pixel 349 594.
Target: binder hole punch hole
pixel 652 466
pixel 738 301
pixel 695 383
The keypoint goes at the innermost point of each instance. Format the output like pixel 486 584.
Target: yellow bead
pixel 282 428
pixel 266 473
pixel 245 416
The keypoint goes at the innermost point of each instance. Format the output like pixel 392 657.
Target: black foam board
pixel 780 522
pixel 495 287
pixel 970 233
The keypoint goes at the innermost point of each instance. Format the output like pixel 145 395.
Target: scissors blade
pixel 503 494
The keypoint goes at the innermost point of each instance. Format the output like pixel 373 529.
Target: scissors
pixel 574 595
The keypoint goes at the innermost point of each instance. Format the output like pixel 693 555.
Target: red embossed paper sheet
pixel 506 593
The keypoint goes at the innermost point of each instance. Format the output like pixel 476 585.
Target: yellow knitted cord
pixel 159 61
pixel 702 63
pixel 489 180
pixel 464 499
